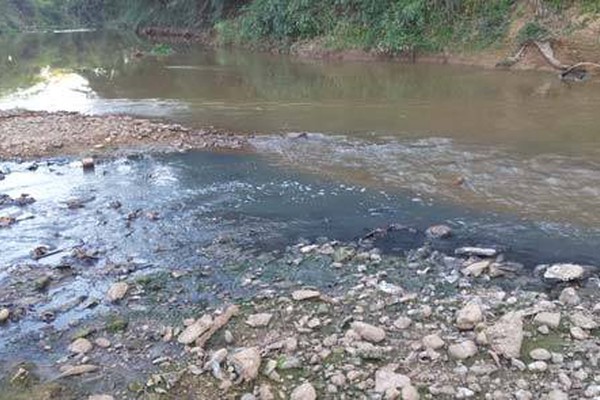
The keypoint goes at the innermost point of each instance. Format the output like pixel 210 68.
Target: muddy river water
pixel 384 143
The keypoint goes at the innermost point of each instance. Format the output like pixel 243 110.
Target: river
pixel 524 145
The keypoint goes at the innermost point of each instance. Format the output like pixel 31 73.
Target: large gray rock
pixel 564 272
pixel 583 321
pixel 117 291
pixel 246 363
pixel 550 319
pixel 469 316
pixel 259 320
pixel 368 332
pixel 386 380
pixel 462 350
pixel 305 391
pixel 506 335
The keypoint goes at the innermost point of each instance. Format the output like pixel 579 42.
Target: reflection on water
pixel 524 142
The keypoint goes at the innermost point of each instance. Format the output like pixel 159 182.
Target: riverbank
pixel 28 135
pixel 423 326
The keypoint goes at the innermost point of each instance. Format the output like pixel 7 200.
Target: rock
pixel 102 342
pixel 583 321
pixel 476 269
pixel 469 316
pixel 540 354
pixel 409 392
pixel 433 342
pixel 538 366
pixel 228 336
pixel 592 391
pixel 77 370
pixel 305 391
pixel 439 232
pixel 556 395
pixel 289 362
pixel 246 363
pixel 101 397
pixel 550 319
pixel 402 323
pixel 506 335
pixel 300 295
pixel 4 315
pixel 88 164
pixel 564 272
pixel 578 333
pixel 339 380
pixel 248 396
pixel 369 351
pixel 265 392
pixel 259 320
pixel 117 291
pixel 386 380
pixel 193 332
pixel 462 350
pixel 464 393
pixel 476 251
pixel 80 346
pixel 569 297
pixel 368 332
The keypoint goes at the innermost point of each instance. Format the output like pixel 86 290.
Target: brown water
pixel 523 142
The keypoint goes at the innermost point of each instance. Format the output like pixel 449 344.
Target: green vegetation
pixel 389 26
pixel 386 26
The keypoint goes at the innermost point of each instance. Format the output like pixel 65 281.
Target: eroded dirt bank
pixel 28 134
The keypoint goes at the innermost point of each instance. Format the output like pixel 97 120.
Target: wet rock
pixel 246 363
pixel 469 316
pixel 259 320
pixel 300 295
pixel 462 350
pixel 506 335
pixel 476 251
pixel 386 380
pixel 4 315
pixel 583 321
pixel 476 269
pixel 540 354
pixel 549 319
pixel 193 332
pixel 117 291
pixel 80 346
pixel 569 297
pixel 368 332
pixel 439 232
pixel 564 272
pixel 433 342
pixel 88 164
pixel 70 370
pixel 305 391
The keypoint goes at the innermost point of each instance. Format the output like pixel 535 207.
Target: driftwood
pixel 545 49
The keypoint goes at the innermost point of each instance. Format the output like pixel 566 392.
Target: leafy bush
pixel 533 30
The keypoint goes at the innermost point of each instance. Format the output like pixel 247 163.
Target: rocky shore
pixel 423 326
pixel 29 134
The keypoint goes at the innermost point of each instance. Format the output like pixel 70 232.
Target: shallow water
pixel 525 144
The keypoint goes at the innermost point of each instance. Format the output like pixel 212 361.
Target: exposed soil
pixel 25 134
